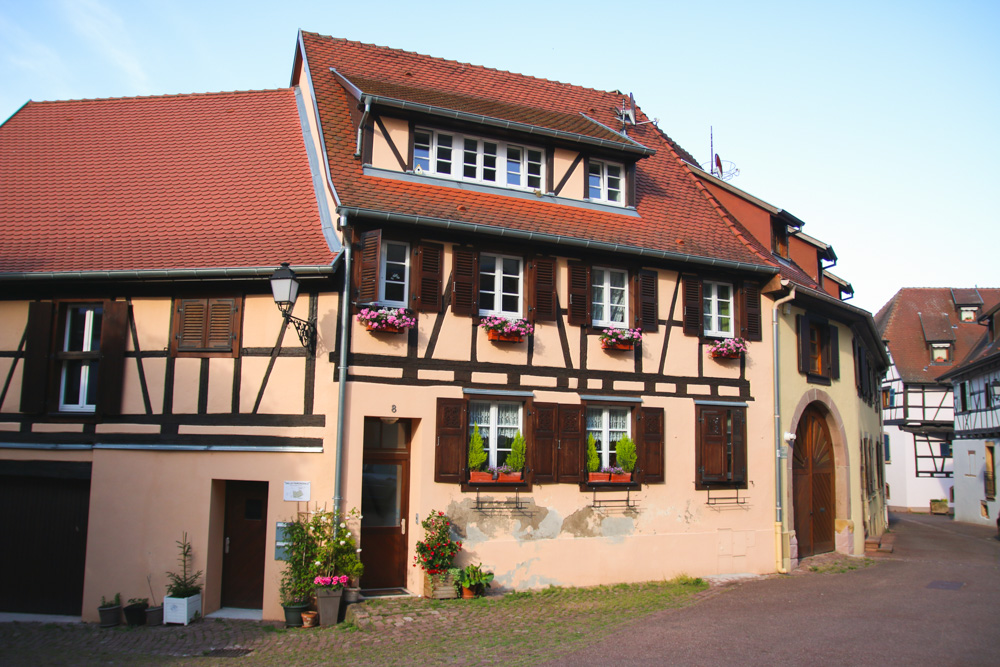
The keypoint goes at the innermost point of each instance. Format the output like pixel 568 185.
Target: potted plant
pixel 626 456
pixel 594 474
pixel 435 554
pixel 514 465
pixel 336 561
pixel 110 611
pixel 473 581
pixel 328 592
pixel 506 330
pixel 349 563
pixel 297 585
pixel 135 611
pixel 477 459
pixel 387 320
pixel 154 614
pixel 728 348
pixel 620 339
pixel 182 602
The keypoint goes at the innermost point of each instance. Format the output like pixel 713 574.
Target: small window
pixel 500 285
pixel 941 353
pixel 476 159
pixel 608 426
pixel 395 272
pixel 206 327
pixel 819 351
pixel 887 397
pixel 720 455
pixel 498 423
pixel 818 340
pixel 990 472
pixel 968 314
pixel 609 297
pixel 717 309
pixel 885 448
pixel 605 182
pixel 80 353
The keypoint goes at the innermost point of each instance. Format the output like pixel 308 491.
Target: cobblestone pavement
pixel 377 631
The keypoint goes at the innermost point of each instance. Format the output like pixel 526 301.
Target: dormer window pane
pixel 941 353
pixel 534 169
pixel 968 314
pixel 444 154
pixel 614 183
pixel 513 165
pixel 471 168
pixel 422 150
pixel 489 161
pixel 605 182
pixel 476 159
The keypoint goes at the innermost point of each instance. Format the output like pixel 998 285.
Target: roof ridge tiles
pixel 141 98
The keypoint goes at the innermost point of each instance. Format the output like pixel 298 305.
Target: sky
pixel 874 122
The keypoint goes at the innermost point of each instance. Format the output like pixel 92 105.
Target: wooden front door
pixel 244 545
pixel 385 485
pixel 812 479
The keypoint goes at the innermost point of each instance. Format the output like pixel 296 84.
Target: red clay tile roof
pixel 676 213
pixel 217 180
pixel 899 322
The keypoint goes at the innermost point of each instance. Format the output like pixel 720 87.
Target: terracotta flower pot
pixel 480 477
pixel 468 593
pixel 309 619
pixel 612 345
pixel 726 355
pixel 621 478
pixel 509 477
pixel 504 338
pixel 598 476
pixel 385 329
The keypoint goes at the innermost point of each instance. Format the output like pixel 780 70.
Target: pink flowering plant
pixel 623 336
pixel 508 327
pixel 728 347
pixel 380 319
pixel 334 583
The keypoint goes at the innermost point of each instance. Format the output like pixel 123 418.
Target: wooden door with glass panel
pixel 385 482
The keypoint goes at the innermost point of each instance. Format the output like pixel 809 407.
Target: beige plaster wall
pixel 399 135
pixel 561 163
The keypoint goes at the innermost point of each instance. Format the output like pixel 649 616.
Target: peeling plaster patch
pixel 618 527
pixel 474 537
pixel 544 524
pixel 582 523
pixel 517 578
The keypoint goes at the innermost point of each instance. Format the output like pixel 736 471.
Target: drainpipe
pixel 361 125
pixel 345 341
pixel 779 469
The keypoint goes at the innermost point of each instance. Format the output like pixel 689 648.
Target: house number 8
pixel 394 409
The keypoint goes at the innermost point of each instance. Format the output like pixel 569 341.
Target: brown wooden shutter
pixel 651 443
pixel 629 184
pixel 191 316
pixel 711 459
pixel 751 315
pixel 37 354
pixel 802 326
pixel 452 441
pixel 542 277
pixel 833 354
pixel 586 178
pixel 223 323
pixel 465 277
pixel 579 294
pixel 569 444
pixel 428 270
pixel 647 308
pixel 739 471
pixel 111 368
pixel 543 442
pixel 692 306
pixel 371 259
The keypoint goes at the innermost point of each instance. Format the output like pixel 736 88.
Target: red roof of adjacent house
pixel 158 183
pixel 917 316
pixel 677 214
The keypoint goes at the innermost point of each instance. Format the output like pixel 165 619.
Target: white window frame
pixel 497 291
pixel 384 275
pixel 432 164
pixel 606 304
pixel 89 345
pixel 602 191
pixel 490 431
pixel 603 434
pixel 711 312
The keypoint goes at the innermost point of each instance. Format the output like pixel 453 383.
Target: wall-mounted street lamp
pixel 285 289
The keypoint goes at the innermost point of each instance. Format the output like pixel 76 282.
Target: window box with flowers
pixel 728 348
pixel 506 330
pixel 435 554
pixel 620 339
pixel 387 320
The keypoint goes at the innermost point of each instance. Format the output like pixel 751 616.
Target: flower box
pixel 728 348
pixel 504 338
pixel 726 355
pixel 621 478
pixel 388 328
pixel 608 345
pixel 480 477
pixel 386 319
pixel 598 476
pixel 440 586
pixel 509 477
pixel 181 610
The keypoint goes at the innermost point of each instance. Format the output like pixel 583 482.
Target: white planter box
pixel 181 610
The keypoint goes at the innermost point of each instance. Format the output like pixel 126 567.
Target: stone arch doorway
pixel 813 476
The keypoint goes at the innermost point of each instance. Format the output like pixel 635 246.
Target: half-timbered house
pixel 976 395
pixel 928 331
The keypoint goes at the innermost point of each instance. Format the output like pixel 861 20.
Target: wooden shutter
pixel 569 444
pixel 223 323
pixel 802 326
pixel 111 367
pixel 465 277
pixel 629 184
pixel 833 353
pixel 428 271
pixel 692 306
pixel 739 464
pixel 711 454
pixel 452 441
pixel 37 353
pixel 371 259
pixel 579 294
pixel 542 287
pixel 647 308
pixel 651 445
pixel 751 315
pixel 189 330
pixel 543 442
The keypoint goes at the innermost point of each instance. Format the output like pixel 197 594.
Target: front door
pixel 812 479
pixel 385 482
pixel 244 546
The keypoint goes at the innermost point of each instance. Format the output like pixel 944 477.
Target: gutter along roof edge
pixel 444 223
pixel 173 274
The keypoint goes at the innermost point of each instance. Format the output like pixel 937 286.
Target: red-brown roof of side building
pixel 676 214
pixel 217 180
pixel 899 322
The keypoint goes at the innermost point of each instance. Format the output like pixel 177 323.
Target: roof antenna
pixel 722 169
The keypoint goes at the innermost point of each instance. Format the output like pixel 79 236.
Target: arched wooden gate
pixel 812 480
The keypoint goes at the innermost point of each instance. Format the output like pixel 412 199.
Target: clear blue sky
pixel 874 122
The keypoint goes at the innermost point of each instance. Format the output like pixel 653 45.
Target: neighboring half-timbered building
pixel 928 332
pixel 976 388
